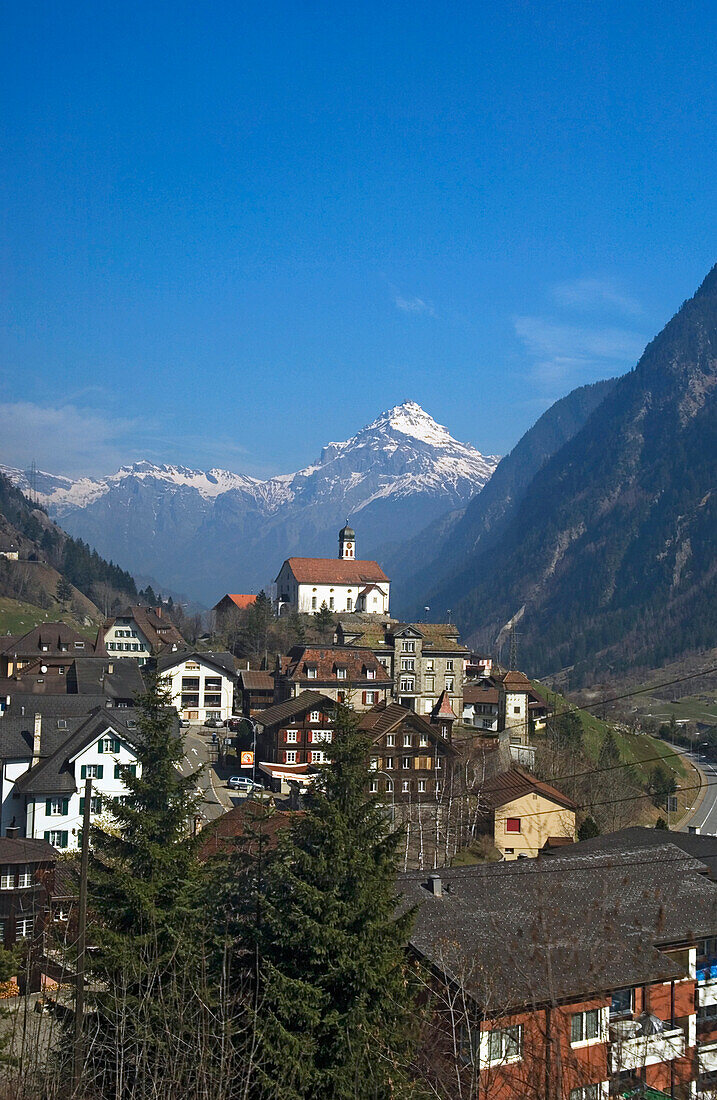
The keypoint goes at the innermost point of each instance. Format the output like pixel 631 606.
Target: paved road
pixel 216 798
pixel 705 818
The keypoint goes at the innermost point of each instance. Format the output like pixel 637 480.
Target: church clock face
pixel 349 545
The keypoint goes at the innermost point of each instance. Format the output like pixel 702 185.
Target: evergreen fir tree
pixel 64 591
pixel 588 828
pixel 609 755
pixel 331 994
pixel 324 621
pixel 144 896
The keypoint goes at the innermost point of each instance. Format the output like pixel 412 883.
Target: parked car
pixel 234 723
pixel 243 783
pixel 184 722
pixel 214 723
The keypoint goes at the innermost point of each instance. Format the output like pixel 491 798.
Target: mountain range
pixel 608 558
pixel 207 533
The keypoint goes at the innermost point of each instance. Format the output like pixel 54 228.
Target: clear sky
pixel 234 231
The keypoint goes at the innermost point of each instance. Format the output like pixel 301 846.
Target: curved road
pixel 705 816
pixel 216 799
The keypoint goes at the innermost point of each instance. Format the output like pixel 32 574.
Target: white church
pixel 344 584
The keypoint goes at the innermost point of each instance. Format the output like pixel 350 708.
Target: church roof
pixel 335 571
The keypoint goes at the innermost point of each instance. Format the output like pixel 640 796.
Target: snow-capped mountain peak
pixel 202 532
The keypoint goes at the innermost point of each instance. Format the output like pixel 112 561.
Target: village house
pixel 27 878
pixel 341 584
pixel 410 756
pixel 45 760
pixel 117 680
pixel 297 730
pixel 256 690
pixel 577 976
pixel 345 673
pixel 521 814
pixel 201 684
pixel 481 706
pixel 140 633
pixel 422 659
pixel 42 655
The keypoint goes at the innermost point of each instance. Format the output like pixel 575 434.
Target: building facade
pixel 346 674
pixel 201 684
pixel 140 633
pixel 342 584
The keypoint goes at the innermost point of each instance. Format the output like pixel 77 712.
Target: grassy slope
pixel 640 750
pixel 17 617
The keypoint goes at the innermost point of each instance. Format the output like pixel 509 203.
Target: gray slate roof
pixel 280 712
pixel 700 846
pixel 219 659
pixel 54 774
pixel 91 677
pixel 528 931
pixel 24 850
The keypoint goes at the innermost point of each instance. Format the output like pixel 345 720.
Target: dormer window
pixel 79 645
pixel 409 647
pixel 44 648
pixel 62 723
pixel 340 673
pixel 311 672
pixel 370 673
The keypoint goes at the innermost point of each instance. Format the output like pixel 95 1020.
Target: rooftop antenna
pixel 448 613
pixel 426 610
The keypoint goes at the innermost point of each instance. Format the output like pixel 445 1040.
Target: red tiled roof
pixel 326 659
pixel 241 600
pixel 476 693
pixel 443 708
pixel 517 679
pixel 240 828
pixel 335 571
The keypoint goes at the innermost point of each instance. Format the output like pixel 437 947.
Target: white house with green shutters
pixel 48 797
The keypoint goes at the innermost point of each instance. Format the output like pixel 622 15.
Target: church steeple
pixel 347 543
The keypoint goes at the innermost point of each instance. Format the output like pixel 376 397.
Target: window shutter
pixel 48 806
pixel 100 769
pixel 364 696
pixel 65 806
pixel 83 772
pixel 310 737
pixel 64 838
pixel 100 746
pixel 117 771
pixel 115 745
pixel 82 805
pixel 47 836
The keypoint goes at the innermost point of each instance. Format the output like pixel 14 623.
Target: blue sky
pixel 234 231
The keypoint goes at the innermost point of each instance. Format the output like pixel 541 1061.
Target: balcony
pixel 631 1048
pixel 707 993
pixel 707 1057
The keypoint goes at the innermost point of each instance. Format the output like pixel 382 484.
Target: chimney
pixel 158 610
pixel 435 886
pixel 110 669
pixel 12 832
pixel 36 739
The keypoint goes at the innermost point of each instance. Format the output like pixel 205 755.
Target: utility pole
pixel 513 659
pixel 78 1051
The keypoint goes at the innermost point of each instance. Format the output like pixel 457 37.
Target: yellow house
pixel 523 814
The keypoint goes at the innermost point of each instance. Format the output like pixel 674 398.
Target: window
pixel 371 697
pixel 449 683
pixel 407 740
pixel 24 875
pixel 407 684
pixel 61 670
pixel 429 664
pixel 390 740
pixel 585 1026
pixel 79 645
pixel 621 1003
pixel 56 807
pixel 439 764
pixel 313 603
pixel 406 786
pixel 290 756
pixel 62 723
pixel 311 672
pixel 317 757
pixel 331 603
pixel 516 710
pixel 374 764
pixel 349 604
pixel 322 736
pixel 292 736
pixel 505 1044
pixel 340 673
pixel 370 673
pixel 119 768
pixel 512 824
pixel 408 664
pixel 108 744
pixel 585 1092
pixel 57 837
pixel 389 786
pixel 91 771
pixel 421 786
pixel 7 877
pixel 95 805
pixel 373 786
pixel 423 740
pixel 449 665
pixel 409 647
pixel 390 763
pixel 406 762
pixel 429 683
pixel 23 927
pixel 315 716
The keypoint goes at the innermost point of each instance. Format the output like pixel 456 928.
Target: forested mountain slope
pixel 611 554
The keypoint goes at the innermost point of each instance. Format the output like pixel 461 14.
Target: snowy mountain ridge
pixel 401 468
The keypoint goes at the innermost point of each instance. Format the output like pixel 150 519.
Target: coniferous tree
pixel 324 621
pixel 145 900
pixel 331 995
